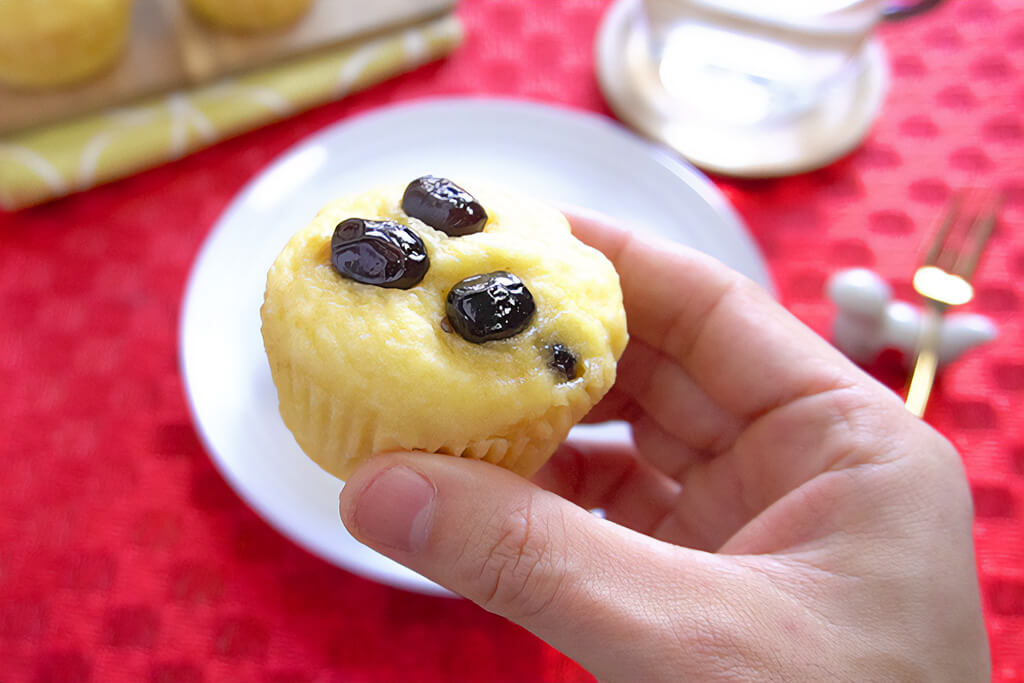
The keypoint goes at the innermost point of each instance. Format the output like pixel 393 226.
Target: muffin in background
pixel 250 15
pixel 53 43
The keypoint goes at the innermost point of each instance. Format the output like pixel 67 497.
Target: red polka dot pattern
pixel 125 556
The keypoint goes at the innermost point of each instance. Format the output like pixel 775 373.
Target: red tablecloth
pixel 125 557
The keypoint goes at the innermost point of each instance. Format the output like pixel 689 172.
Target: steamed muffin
pixel 250 15
pixel 486 336
pixel 51 43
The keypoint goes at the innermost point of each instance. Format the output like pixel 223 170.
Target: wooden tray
pixel 169 48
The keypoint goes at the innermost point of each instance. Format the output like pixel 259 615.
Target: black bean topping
pixel 562 361
pixel 381 253
pixel 444 206
pixel 491 306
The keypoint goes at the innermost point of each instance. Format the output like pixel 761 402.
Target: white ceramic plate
pixel 563 156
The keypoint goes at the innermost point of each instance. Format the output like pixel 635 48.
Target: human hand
pixel 781 518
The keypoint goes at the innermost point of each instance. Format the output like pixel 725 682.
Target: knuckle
pixel 518 577
pixel 943 471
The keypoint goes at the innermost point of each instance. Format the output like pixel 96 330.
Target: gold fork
pixel 944 280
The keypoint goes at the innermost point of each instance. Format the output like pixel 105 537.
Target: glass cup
pixel 751 88
pixel 751 62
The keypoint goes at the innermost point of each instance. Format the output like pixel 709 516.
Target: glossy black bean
pixel 444 206
pixel 381 253
pixel 562 361
pixel 488 307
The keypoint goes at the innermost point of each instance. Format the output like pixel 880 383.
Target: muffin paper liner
pixel 339 436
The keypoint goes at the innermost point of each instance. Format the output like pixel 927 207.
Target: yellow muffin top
pixel 250 15
pixel 46 43
pixel 52 17
pixel 388 350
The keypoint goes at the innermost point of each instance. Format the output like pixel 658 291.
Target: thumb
pixel 589 587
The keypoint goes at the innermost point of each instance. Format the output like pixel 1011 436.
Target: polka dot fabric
pixel 125 557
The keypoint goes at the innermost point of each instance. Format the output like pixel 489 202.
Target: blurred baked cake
pixel 52 43
pixel 250 15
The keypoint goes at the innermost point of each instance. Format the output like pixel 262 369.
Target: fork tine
pixel 982 228
pixel 938 245
pixel 943 280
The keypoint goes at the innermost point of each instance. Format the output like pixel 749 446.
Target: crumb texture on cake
pixel 363 369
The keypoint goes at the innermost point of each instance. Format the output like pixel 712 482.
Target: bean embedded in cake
pixel 444 206
pixel 381 253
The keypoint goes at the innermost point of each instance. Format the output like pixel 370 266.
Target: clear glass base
pixel 738 104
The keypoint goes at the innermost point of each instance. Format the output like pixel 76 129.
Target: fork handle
pixel 904 10
pixel 926 364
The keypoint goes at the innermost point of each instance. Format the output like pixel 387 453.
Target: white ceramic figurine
pixel 869 321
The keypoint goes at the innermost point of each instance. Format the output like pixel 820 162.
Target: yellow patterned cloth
pixel 45 163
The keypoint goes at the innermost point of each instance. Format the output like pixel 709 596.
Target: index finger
pixel 742 348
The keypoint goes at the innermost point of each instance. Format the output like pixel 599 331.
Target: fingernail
pixel 396 509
